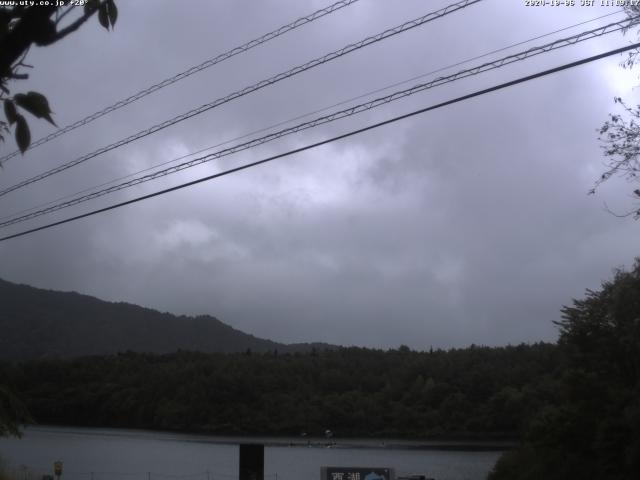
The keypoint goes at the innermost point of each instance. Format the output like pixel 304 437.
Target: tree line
pixel 475 391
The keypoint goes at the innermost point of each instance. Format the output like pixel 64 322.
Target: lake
pixel 110 454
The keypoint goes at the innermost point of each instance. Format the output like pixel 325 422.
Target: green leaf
pixel 10 111
pixel 103 16
pixel 90 7
pixel 23 135
pixel 45 32
pixel 36 104
pixel 113 12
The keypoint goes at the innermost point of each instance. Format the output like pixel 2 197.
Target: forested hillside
pixel 591 428
pixel 477 391
pixel 36 323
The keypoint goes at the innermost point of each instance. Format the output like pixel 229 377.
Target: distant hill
pixel 39 324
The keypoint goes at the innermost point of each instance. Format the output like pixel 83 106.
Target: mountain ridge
pixel 38 323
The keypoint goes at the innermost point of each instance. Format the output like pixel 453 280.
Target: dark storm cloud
pixel 469 224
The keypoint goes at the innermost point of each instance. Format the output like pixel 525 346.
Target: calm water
pixel 103 454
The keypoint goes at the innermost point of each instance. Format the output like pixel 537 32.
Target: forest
pixel 476 391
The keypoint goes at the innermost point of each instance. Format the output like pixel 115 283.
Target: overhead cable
pixel 330 140
pixel 299 117
pixel 190 71
pixel 516 57
pixel 239 93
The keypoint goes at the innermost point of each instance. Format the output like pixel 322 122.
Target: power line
pixel 499 63
pixel 190 71
pixel 332 139
pixel 245 91
pixel 298 117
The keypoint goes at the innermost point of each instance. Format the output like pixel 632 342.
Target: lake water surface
pixel 108 454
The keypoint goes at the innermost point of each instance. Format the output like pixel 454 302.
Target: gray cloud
pixel 470 224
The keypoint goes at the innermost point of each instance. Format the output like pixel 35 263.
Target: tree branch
pixel 74 26
pixel 20 38
pixel 635 213
pixel 64 14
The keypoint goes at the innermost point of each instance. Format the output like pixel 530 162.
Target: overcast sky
pixel 468 224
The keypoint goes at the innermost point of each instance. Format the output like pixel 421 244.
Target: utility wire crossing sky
pixel 330 140
pixel 250 89
pixel 186 73
pixel 531 52
pixel 470 225
pixel 135 181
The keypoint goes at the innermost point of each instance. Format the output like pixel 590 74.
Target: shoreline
pixel 382 443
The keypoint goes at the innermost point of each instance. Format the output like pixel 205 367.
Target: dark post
pixel 252 462
pixel 57 469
